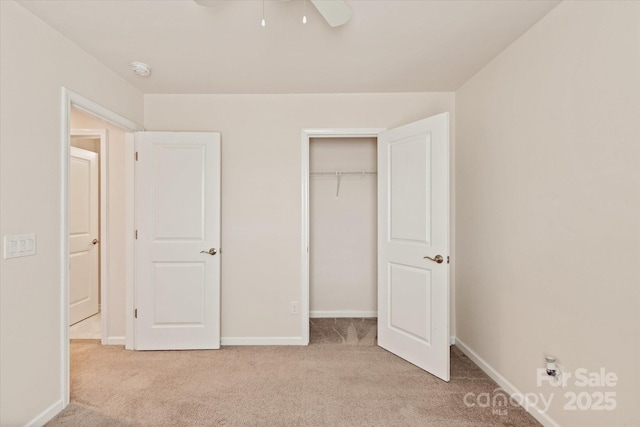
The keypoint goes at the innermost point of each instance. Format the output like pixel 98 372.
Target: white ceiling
pixel 388 46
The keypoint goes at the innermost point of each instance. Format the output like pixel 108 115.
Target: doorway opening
pixel 71 104
pixel 340 236
pixel 88 228
pixel 343 240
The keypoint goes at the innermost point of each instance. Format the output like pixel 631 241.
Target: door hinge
pixel 135 313
pixel 136 234
pixel 136 156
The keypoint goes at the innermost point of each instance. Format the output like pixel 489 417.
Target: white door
pixel 177 260
pixel 413 224
pixel 83 235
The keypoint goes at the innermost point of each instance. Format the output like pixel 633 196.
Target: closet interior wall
pixel 343 227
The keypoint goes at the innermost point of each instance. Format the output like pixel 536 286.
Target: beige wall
pixel 116 137
pixel 35 63
pixel 548 205
pixel 261 186
pixel 343 230
pixel 89 144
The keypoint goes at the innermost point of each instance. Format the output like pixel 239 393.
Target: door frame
pixel 103 218
pixel 307 134
pixel 70 99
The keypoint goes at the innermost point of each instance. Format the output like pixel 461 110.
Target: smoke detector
pixel 141 69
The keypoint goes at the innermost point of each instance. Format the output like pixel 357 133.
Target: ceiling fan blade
pixel 335 12
pixel 207 3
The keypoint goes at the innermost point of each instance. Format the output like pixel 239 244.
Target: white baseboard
pixel 116 340
pixel 509 388
pixel 262 341
pixel 47 415
pixel 342 313
pixel 452 340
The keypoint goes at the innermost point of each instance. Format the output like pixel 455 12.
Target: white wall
pixel 548 206
pixel 261 186
pixel 35 62
pixel 116 139
pixel 343 256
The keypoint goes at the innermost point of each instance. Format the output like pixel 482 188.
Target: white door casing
pixel 307 134
pixel 83 234
pixel 177 221
pixel 413 223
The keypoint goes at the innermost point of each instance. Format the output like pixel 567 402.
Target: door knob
pixel 211 251
pixel 439 259
pixel 94 241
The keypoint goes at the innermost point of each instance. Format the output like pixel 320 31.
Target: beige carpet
pixel 343 331
pixel 327 383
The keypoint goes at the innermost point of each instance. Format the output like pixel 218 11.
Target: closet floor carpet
pixel 324 384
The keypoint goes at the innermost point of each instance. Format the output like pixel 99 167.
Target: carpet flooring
pixel 341 379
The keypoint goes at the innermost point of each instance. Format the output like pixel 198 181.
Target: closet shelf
pixel 340 174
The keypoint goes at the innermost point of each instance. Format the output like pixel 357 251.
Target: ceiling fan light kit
pixel 304 14
pixel 335 12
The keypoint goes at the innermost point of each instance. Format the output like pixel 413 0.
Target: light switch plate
pixel 19 245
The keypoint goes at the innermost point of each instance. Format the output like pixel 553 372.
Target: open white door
pixel 413 224
pixel 83 234
pixel 177 220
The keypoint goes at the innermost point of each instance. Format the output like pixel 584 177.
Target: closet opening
pixel 342 239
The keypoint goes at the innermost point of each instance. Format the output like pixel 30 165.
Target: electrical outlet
pixel 294 308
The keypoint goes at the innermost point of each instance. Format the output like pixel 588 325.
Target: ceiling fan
pixel 335 12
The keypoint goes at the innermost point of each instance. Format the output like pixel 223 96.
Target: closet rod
pixel 337 173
